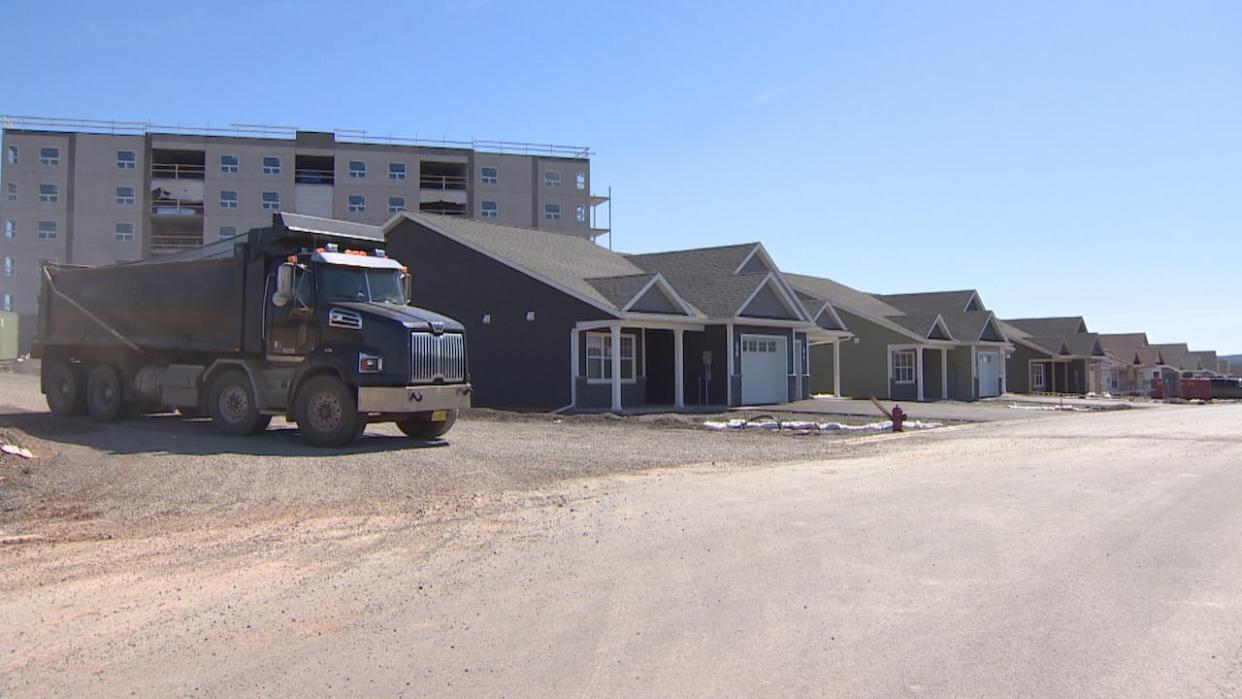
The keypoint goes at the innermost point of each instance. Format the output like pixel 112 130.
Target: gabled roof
pixel 1065 325
pixel 1085 344
pixel 625 292
pixel 1054 345
pixel 563 261
pixel 1119 341
pixel 973 326
pixel 926 327
pixel 843 297
pixel 725 259
pixel 935 301
pixel 1149 356
pixel 1174 354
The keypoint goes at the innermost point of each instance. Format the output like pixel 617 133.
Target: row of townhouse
pixel 558 322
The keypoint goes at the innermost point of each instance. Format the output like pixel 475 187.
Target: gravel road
pixel 1089 555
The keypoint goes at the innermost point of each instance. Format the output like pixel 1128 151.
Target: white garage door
pixel 989 374
pixel 764 369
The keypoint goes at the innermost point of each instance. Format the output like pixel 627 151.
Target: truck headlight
pixel 370 363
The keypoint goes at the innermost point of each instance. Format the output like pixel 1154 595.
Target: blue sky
pixel 1067 158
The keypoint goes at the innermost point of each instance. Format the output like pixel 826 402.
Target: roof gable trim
pixel 660 283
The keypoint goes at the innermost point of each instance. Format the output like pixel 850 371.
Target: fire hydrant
pixel 899 416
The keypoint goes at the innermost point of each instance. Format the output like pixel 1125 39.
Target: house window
pixel 229 163
pixel 581 213
pixel 396 204
pixel 271 200
pixel 1037 377
pixel 488 209
pixel 126 160
pixel 49 193
pixel 357 169
pixel 552 178
pixel 599 356
pixel 227 232
pixel 12 155
pixel 11 191
pixel 396 171
pixel 228 199
pixel 49 156
pixel 552 212
pixel 8 302
pixel 48 230
pixel 487 175
pixel 271 165
pixel 124 196
pixel 357 203
pixel 10 229
pixel 9 266
pixel 124 231
pixel 903 366
pixel 581 179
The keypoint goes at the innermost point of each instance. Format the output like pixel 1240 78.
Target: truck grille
pixel 438 357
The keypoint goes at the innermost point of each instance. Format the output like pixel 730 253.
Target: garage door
pixel 989 374
pixel 764 369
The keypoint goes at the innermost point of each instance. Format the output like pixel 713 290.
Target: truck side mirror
pixel 407 286
pixel 284 285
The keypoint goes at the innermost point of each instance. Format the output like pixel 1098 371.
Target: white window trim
pixel 485 212
pixel 396 209
pixel 350 206
pixel 1040 374
pixel 580 213
pixel 130 200
pixel 12 155
pixel 495 177
pixel 10 229
pixel 269 205
pixel 53 198
pixel 230 169
pixel 229 203
pixel 548 215
pixel 892 365
pixel 356 174
pixel 116 233
pixel 126 164
pixel 398 176
pixel 605 359
pixel 52 161
pixel 271 169
pixel 580 180
pixel 10 191
pixel 51 234
pixel 549 180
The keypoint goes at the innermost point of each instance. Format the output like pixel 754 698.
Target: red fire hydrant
pixel 899 416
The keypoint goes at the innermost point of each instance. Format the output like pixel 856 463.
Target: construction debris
pixel 17 451
pixel 809 427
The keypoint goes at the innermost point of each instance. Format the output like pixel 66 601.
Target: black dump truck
pixel 307 319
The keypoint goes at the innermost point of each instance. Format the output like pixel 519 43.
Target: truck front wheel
pixel 233 408
pixel 425 426
pixel 66 391
pixel 327 413
pixel 104 394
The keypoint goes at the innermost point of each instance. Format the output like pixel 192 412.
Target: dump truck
pixel 306 319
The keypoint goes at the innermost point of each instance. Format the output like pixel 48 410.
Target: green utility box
pixel 8 335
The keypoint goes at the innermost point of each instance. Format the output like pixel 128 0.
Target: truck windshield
pixel 355 284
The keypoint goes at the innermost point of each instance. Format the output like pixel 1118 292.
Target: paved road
pixel 1002 408
pixel 1095 555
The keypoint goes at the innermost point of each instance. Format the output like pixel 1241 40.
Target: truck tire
pixel 420 425
pixel 327 413
pixel 234 410
pixel 66 391
pixel 105 396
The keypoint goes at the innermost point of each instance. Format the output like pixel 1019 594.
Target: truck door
pixel 290 328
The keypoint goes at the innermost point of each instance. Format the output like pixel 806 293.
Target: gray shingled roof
pixel 1047 327
pixel 931 302
pixel 842 296
pixel 717 295
pixel 1148 356
pixel 920 325
pixel 1174 354
pixel 1123 341
pixel 563 259
pixel 698 261
pixel 967 326
pixel 1085 344
pixel 620 290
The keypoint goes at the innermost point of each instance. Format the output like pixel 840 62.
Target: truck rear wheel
pixel 422 426
pixel 234 410
pixel 105 397
pixel 65 389
pixel 327 413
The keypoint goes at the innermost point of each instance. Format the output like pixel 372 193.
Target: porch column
pixel 573 371
pixel 944 373
pixel 918 355
pixel 836 368
pixel 616 367
pixel 679 369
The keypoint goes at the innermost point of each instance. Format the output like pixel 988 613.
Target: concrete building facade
pixel 97 193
